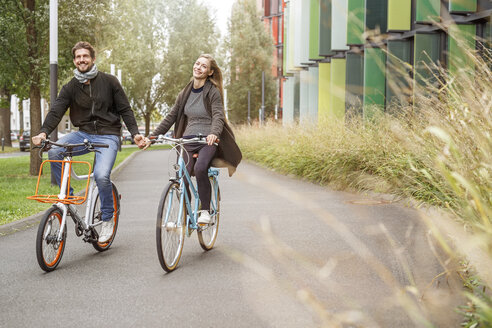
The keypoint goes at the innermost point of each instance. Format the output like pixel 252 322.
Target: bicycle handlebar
pixel 86 143
pixel 181 141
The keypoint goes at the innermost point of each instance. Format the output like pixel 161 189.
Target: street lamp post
pixel 53 65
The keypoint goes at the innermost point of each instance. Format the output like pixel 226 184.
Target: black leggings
pixel 200 167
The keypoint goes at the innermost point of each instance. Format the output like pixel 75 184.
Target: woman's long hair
pixel 216 77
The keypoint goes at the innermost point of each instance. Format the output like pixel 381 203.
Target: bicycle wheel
pixel 49 250
pixel 208 234
pixel 170 230
pixel 96 217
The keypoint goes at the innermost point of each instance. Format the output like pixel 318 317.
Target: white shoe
pixel 204 218
pixel 106 231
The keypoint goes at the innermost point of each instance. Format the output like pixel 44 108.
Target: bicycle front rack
pixel 75 200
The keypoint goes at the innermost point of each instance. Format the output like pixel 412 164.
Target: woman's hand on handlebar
pixel 147 143
pixel 211 138
pixel 36 140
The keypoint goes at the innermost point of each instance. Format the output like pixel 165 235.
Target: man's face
pixel 83 60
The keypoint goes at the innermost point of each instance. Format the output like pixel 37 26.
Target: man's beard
pixel 87 70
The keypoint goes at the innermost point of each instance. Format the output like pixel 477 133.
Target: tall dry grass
pixel 437 152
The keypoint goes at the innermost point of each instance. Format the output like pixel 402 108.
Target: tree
pixel 24 41
pixel 11 68
pixel 156 45
pixel 250 49
pixel 135 44
pixel 192 32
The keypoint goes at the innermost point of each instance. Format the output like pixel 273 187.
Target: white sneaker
pixel 106 231
pixel 204 218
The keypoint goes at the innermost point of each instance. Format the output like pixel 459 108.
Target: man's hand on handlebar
pixel 36 140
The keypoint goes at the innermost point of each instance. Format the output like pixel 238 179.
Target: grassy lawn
pixel 8 149
pixel 16 184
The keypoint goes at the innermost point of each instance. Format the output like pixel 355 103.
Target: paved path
pixel 288 254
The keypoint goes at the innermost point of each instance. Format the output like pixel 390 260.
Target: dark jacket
pixel 228 153
pixel 95 109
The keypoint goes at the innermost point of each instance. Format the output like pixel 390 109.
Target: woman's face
pixel 201 69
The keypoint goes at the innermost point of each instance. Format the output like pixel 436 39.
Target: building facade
pixel 273 18
pixel 351 57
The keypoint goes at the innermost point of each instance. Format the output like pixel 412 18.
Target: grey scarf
pixel 84 77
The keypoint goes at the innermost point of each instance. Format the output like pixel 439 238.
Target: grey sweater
pixel 199 120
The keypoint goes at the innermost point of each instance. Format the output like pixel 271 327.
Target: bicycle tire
pixel 96 216
pixel 170 233
pixel 208 235
pixel 49 251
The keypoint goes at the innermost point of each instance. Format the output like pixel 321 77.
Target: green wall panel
pixel 487 36
pixel 324 93
pixel 399 15
pixel 355 22
pixel 374 81
pixel 297 96
pixel 398 83
pixel 325 27
pixel 427 51
pixel 460 6
pixel 427 11
pixel 461 43
pixel 354 83
pixel 376 15
pixel 314 30
pixel 337 108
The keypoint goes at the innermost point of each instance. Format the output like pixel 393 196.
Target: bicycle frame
pixel 184 198
pixel 65 208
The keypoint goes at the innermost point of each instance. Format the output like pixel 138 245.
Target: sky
pixel 221 9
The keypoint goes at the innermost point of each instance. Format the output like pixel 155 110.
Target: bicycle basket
pixel 68 199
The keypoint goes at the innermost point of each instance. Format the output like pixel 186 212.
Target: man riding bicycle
pixel 97 103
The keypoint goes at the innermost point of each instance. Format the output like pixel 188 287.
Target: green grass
pixel 8 149
pixel 16 184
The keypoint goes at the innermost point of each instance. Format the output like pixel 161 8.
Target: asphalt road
pixel 288 254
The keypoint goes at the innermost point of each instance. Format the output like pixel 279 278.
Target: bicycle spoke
pixel 170 230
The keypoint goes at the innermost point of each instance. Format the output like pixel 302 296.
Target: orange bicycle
pixel 52 231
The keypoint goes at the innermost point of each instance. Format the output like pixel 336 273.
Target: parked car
pixel 13 136
pixel 25 141
pixel 127 136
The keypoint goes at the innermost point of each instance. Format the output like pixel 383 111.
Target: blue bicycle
pixel 178 211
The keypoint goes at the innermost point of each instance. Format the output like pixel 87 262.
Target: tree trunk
pixel 147 124
pixel 34 90
pixel 35 123
pixel 5 118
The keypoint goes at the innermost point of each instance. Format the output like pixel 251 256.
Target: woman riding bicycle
pixel 199 110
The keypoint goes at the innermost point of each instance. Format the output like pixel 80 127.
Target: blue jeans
pixel 104 162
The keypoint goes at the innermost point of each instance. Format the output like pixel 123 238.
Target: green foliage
pixel 478 311
pixel 191 32
pixel 251 49
pixel 134 42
